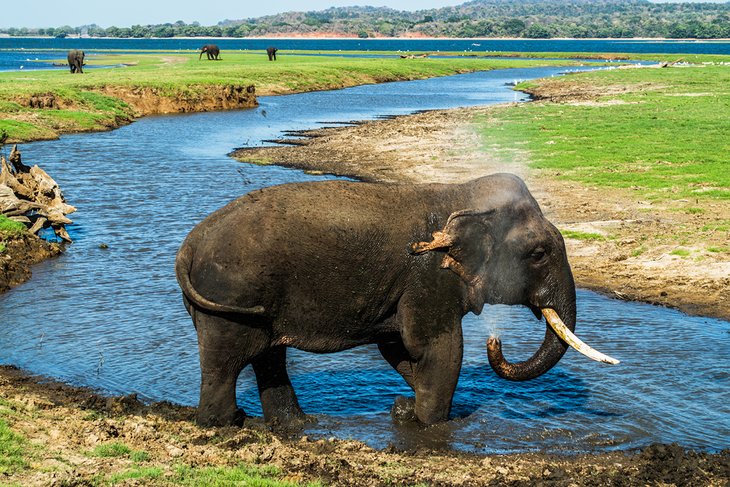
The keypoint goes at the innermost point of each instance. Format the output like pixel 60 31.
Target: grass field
pixel 83 102
pixel 662 132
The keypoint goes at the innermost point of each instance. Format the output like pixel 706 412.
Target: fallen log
pixel 29 195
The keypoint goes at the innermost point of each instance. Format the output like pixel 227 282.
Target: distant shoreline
pixel 407 38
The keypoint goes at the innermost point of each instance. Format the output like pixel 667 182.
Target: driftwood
pixel 29 195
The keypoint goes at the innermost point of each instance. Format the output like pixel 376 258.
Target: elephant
pixel 76 60
pixel 211 50
pixel 271 52
pixel 327 266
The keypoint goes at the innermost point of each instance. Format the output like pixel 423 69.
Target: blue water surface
pixel 31 53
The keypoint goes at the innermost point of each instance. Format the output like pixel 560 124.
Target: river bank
pixel 71 436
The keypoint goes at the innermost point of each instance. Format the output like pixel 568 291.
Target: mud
pixel 154 101
pixel 20 254
pixel 630 259
pixel 65 423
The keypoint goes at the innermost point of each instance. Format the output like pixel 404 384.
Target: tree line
pixel 536 19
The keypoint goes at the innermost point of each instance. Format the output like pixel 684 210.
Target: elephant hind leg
pixel 278 399
pixel 225 348
pixel 395 353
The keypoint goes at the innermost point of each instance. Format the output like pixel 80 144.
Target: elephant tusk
pixel 568 337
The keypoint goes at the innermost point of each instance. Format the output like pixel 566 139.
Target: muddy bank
pixel 632 260
pixel 21 253
pixel 65 424
pixel 195 98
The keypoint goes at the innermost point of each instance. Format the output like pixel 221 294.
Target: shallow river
pixel 112 318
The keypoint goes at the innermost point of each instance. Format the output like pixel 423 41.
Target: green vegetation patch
pixel 111 450
pixel 10 228
pixel 142 474
pixel 576 235
pixel 664 132
pixel 239 475
pixel 680 252
pixel 11 450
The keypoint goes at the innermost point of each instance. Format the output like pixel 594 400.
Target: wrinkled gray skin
pixel 211 50
pixel 271 52
pixel 327 266
pixel 76 60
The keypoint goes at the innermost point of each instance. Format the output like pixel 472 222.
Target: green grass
pixel 665 133
pixel 9 229
pixel 582 235
pixel 88 105
pixel 224 476
pixel 142 474
pixel 680 252
pixel 111 450
pixel 12 456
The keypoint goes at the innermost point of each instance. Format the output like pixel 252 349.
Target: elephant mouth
pixel 560 329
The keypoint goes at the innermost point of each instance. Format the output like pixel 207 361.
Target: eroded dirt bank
pixel 20 254
pixel 632 262
pixel 153 101
pixel 65 424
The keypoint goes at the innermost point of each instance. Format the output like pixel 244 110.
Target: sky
pixel 124 13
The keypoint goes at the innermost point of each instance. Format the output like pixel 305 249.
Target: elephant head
pixel 506 252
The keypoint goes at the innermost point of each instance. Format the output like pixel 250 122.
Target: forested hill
pixel 478 18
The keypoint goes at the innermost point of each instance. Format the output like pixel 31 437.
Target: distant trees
pixel 536 19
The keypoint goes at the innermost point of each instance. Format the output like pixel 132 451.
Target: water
pixel 16 52
pixel 113 319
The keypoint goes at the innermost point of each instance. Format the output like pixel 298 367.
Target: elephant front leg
pixel 278 399
pixel 433 338
pixel 437 373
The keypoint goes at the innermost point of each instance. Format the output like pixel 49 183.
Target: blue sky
pixel 123 13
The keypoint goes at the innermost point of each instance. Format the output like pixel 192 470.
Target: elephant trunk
pixel 549 353
pixel 201 55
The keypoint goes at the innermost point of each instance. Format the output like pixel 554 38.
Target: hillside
pixel 537 19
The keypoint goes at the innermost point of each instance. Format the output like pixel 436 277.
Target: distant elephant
pixel 211 50
pixel 76 60
pixel 328 266
pixel 271 52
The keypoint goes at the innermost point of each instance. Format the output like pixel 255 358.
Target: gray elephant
pixel 211 50
pixel 328 266
pixel 76 60
pixel 271 52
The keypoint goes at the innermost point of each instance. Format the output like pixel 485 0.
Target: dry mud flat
pixel 632 262
pixel 64 424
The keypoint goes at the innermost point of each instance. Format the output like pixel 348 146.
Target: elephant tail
pixel 182 269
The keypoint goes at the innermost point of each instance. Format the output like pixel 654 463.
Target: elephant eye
pixel 538 254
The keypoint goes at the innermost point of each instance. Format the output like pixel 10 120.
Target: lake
pixel 33 53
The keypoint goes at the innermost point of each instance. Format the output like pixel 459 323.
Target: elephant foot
pixel 210 419
pixel 404 409
pixel 288 415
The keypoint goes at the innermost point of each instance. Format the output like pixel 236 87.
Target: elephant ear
pixel 467 242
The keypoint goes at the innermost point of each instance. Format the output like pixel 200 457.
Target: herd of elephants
pixel 330 265
pixel 76 56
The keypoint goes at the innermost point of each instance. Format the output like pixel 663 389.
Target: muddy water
pixel 112 318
